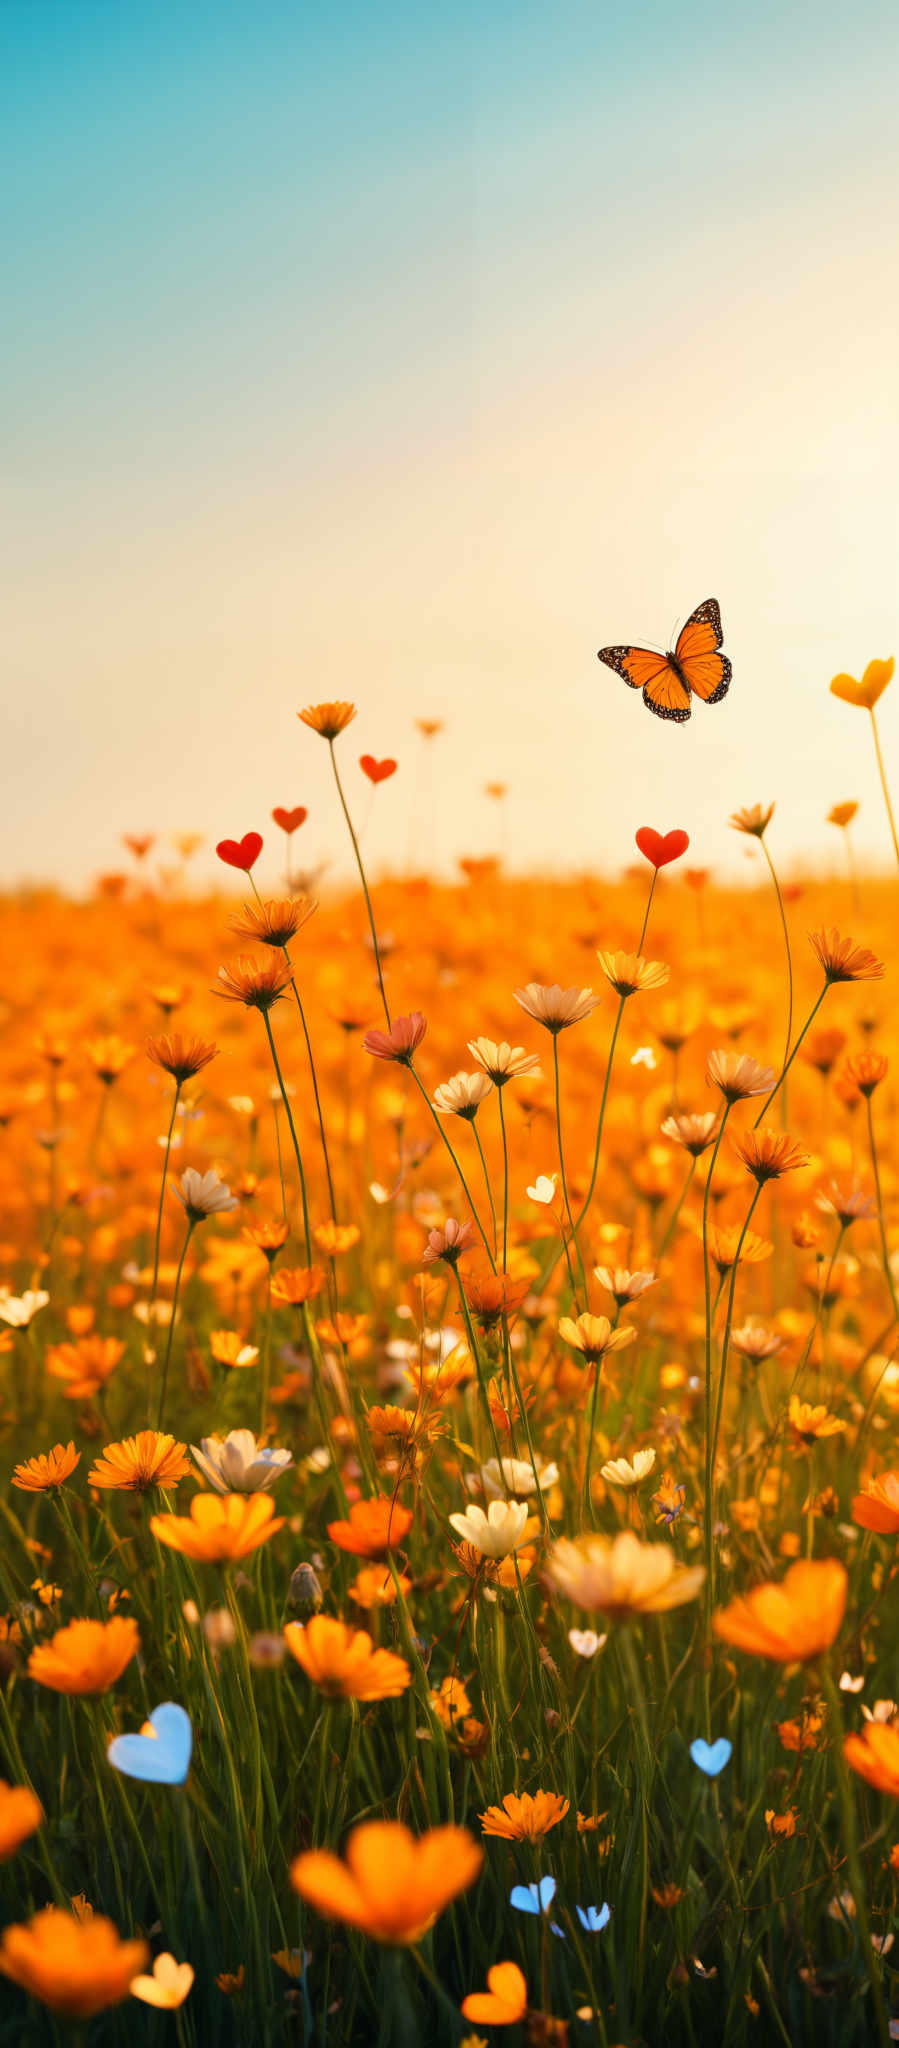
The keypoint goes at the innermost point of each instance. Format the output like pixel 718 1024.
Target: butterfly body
pixel 695 666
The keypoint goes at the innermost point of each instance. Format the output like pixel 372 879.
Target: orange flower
pixel 296 1284
pixel 842 961
pixel 220 1526
pixel 87 1656
pixel 274 923
pixel 866 692
pixel 20 1814
pixel 400 1042
pixel 842 814
pixel 504 2002
pixel 256 983
pixel 630 974
pixel 267 1237
pixel 41 1475
pixel 392 1885
pixel 328 719
pixel 875 1755
pixel 84 1367
pixel 866 1070
pixel 342 1663
pixel 374 1527
pixel 490 1296
pixel 76 1967
pixel 790 1622
pixel 180 1057
pixel 228 1347
pixel 877 1506
pixel 525 1817
pixel 753 820
pixel 723 1241
pixel 768 1154
pixel 109 1057
pixel 808 1424
pixel 374 1586
pixel 140 1462
pixel 333 1238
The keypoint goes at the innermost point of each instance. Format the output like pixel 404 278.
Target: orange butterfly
pixel 694 666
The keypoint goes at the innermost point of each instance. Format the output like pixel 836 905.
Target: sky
pixel 409 355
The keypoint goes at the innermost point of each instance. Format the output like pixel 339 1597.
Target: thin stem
pixel 296 1143
pixel 555 1039
pixel 165 1168
pixel 502 1125
pixel 881 1223
pixel 783 1075
pixel 850 1841
pixel 371 920
pixel 783 918
pixel 602 1111
pixel 477 1139
pixel 191 1226
pixel 466 1190
pixel 707 1283
pixel 883 783
pixel 652 891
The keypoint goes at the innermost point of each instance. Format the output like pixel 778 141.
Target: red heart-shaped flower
pixel 377 771
pixel 241 853
pixel 659 848
pixel 289 820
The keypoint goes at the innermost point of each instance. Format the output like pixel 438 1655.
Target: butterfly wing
pixel 645 669
pixel 706 670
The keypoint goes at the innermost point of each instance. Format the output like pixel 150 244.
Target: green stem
pixel 883 783
pixel 555 1039
pixel 465 1187
pixel 881 1223
pixel 785 1070
pixel 296 1143
pixel 853 1862
pixel 371 920
pixel 165 1168
pixel 191 1226
pixel 783 919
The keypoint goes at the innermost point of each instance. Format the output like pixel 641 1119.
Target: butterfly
pixel 695 666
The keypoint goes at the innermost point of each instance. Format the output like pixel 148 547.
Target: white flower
pixel 544 1189
pixel 585 1642
pixel 644 1057
pixel 882 1710
pixel 18 1309
pixel 498 1532
pixel 517 1476
pixel 169 1985
pixel 619 1473
pixel 203 1194
pixel 238 1465
pixel 850 1684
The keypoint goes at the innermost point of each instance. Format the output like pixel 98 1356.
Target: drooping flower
pixel 76 1967
pixel 621 1575
pixel 525 1816
pixel 392 1884
pixel 342 1662
pixel 140 1462
pixel 219 1528
pixel 86 1656
pixel 788 1622
pixel 238 1464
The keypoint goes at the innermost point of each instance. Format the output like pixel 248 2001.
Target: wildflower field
pixel 450 1378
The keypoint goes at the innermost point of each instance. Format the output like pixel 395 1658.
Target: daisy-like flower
pixel 296 1284
pixel 140 1462
pixel 448 1243
pixel 866 1070
pixel 490 1296
pixel 849 1205
pixel 86 1656
pixel 203 1194
pixel 877 1506
pixel 21 1814
pixel 76 1967
pixel 85 1366
pixel 169 1985
pixel 392 1885
pixel 515 1476
pixel 752 1340
pixel 810 1423
pixel 694 1133
pixel 462 1095
pixel 624 1286
pixel 724 1244
pixel 594 1336
pixel 276 922
pixel 769 1154
pixel 18 1310
pixel 554 1007
pixel 791 1622
pixel 328 719
pixel 525 1816
pixel 503 1062
pixel 45 1473
pixel 342 1662
pixel 621 1472
pixel 109 1057
pixel 374 1527
pixel 400 1042
pixel 738 1076
pixel 875 1755
pixel 621 1576
pixel 631 975
pixel 258 984
pixel 228 1347
pixel 753 820
pixel 181 1057
pixel 219 1529
pixel 238 1464
pixel 842 960
pixel 495 1534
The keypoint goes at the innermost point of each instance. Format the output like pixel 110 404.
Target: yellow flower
pixel 41 1475
pixel 87 1656
pixel 169 1985
pixel 342 1662
pixel 866 692
pixel 328 719
pixel 622 1576
pixel 140 1462
pixel 220 1527
pixel 525 1816
pixel 791 1622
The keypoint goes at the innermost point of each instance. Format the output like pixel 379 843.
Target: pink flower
pixel 400 1042
pixel 448 1243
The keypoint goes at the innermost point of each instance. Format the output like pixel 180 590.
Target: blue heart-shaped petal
pixel 711 1757
pixel 162 1758
pixel 594 1918
pixel 533 1898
